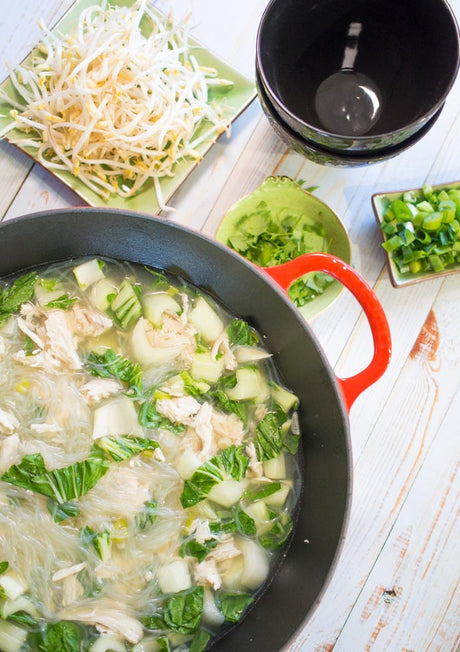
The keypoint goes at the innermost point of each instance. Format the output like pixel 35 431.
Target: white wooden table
pixel 396 586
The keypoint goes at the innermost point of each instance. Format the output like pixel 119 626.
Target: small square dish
pixel 420 230
pixel 233 99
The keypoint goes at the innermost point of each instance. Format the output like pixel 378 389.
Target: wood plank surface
pixel 396 584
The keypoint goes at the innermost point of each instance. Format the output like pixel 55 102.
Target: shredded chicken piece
pixel 254 464
pixel 224 550
pixel 99 388
pixel 108 617
pixel 88 323
pixel 68 571
pixel 178 410
pixel 174 332
pixel 222 345
pixel 228 429
pixel 22 325
pixel 203 425
pixel 61 343
pixel 71 590
pixel 2 347
pixel 57 333
pixel 8 422
pixel 40 360
pixel 200 528
pixel 9 452
pixel 44 428
pixel 206 573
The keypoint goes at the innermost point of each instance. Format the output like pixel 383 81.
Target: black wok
pixel 245 291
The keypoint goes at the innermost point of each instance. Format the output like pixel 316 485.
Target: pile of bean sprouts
pixel 115 105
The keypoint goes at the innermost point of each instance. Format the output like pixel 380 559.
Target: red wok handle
pixel 287 273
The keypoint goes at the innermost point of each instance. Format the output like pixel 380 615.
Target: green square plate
pixel 380 202
pixel 234 99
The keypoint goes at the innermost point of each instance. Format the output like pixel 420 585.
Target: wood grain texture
pixel 396 585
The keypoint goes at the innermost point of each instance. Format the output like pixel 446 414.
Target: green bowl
pixel 282 193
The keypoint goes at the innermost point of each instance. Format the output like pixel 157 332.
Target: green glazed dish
pixel 283 196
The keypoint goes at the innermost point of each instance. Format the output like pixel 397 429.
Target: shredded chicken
pixel 68 571
pixel 206 573
pixel 108 617
pixel 45 428
pixel 71 590
pixel 224 550
pixel 57 333
pixel 222 345
pixel 203 425
pixel 8 422
pixel 99 388
pixel 255 466
pixel 178 410
pixel 174 332
pixel 2 347
pixel 87 323
pixel 200 528
pixel 9 452
pixel 228 429
pixel 61 343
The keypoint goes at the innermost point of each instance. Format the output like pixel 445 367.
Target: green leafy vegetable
pixel 124 447
pixel 191 548
pixel 62 511
pixel 225 404
pixel 65 636
pixel 101 541
pixel 181 612
pixel 22 618
pixel 308 287
pixel 268 440
pixel 163 644
pixel 62 484
pixel 199 641
pixel 148 417
pixel 12 297
pixel 231 462
pixel 63 302
pixel 278 534
pixel 240 333
pixel 232 605
pixel 4 565
pixel 111 365
pixel 147 516
pixel 264 491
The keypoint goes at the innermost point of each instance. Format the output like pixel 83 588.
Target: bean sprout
pixel 116 103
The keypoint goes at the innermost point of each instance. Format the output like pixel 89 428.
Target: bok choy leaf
pixel 230 463
pixel 62 484
pixel 12 297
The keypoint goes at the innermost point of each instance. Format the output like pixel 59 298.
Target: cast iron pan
pixel 247 292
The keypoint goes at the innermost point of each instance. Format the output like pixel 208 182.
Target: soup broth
pixel 148 462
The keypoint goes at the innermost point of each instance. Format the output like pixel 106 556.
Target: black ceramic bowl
pixel 389 66
pixel 326 156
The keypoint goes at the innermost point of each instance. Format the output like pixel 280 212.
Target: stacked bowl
pixel 355 82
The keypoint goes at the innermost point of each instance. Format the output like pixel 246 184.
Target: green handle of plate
pixel 287 273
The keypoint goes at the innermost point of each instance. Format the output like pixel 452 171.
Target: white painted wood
pixel 396 584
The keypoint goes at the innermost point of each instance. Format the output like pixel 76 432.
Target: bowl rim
pixel 412 126
pixel 344 156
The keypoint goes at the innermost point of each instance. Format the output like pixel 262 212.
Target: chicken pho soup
pixel 148 471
